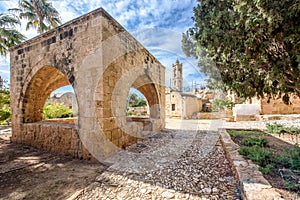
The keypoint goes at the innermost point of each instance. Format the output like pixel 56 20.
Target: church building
pixel 179 104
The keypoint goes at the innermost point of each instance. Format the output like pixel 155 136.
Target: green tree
pixel 132 99
pixel 40 14
pixel 135 101
pixel 9 36
pixel 141 102
pixel 5 113
pixel 252 47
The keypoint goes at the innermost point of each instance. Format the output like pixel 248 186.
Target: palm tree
pixel 39 13
pixel 9 36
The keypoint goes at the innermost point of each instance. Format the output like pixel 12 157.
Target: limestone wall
pixel 62 139
pixel 174 105
pixel 191 106
pixel 278 107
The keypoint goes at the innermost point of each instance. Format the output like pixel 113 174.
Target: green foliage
pixel 5 113
pixel 290 159
pixel 287 163
pixel 236 133
pixel 141 102
pixel 129 113
pixel 9 36
pixel 267 169
pixel 135 101
pixel 261 142
pixel 40 14
pixel 252 47
pixel 56 110
pixel 223 104
pixel 257 154
pixel 276 128
pixel 291 185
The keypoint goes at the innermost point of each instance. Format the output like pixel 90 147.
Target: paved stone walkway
pixel 174 164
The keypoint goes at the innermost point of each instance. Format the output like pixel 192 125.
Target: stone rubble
pixel 195 168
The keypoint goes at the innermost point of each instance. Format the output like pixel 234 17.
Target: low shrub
pixel 258 155
pixel 56 110
pixel 290 159
pixel 276 128
pixel 262 142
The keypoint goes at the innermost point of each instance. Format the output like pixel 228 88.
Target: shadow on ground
pixel 29 173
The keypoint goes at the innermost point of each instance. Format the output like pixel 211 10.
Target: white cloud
pixel 158 25
pixel 4 71
pixel 122 5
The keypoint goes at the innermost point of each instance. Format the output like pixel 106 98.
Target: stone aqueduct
pixel 101 61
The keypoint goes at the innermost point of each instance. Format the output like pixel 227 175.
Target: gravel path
pixel 174 164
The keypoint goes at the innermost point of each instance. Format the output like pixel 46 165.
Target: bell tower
pixel 177 76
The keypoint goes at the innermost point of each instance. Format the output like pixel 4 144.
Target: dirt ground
pixel 277 143
pixel 29 173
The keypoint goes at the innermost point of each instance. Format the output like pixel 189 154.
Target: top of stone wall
pixel 100 11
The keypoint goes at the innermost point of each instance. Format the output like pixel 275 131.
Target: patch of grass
pixel 235 133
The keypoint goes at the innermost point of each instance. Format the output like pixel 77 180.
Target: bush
pixel 258 155
pixel 56 110
pixel 266 170
pixel 262 142
pixel 277 128
pixel 274 128
pixel 290 159
pixel 222 104
pixel 5 113
pixel 129 113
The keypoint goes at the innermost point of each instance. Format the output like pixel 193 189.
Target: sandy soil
pixel 29 173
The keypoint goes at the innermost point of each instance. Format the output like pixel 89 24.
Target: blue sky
pixel 158 25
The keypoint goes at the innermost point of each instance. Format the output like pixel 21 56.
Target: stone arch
pixel 112 92
pixel 44 81
pixel 101 61
pixel 146 86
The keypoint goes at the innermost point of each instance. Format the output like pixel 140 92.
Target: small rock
pixel 167 194
pixel 207 190
pixel 215 190
pixel 143 191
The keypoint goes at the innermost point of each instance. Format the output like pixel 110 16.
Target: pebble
pixel 167 195
pixel 200 171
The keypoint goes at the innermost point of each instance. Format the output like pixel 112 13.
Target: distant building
pixel 180 104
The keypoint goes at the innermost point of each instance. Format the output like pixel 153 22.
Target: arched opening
pixel 61 106
pixel 144 88
pixel 137 105
pixel 57 135
pixel 43 83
